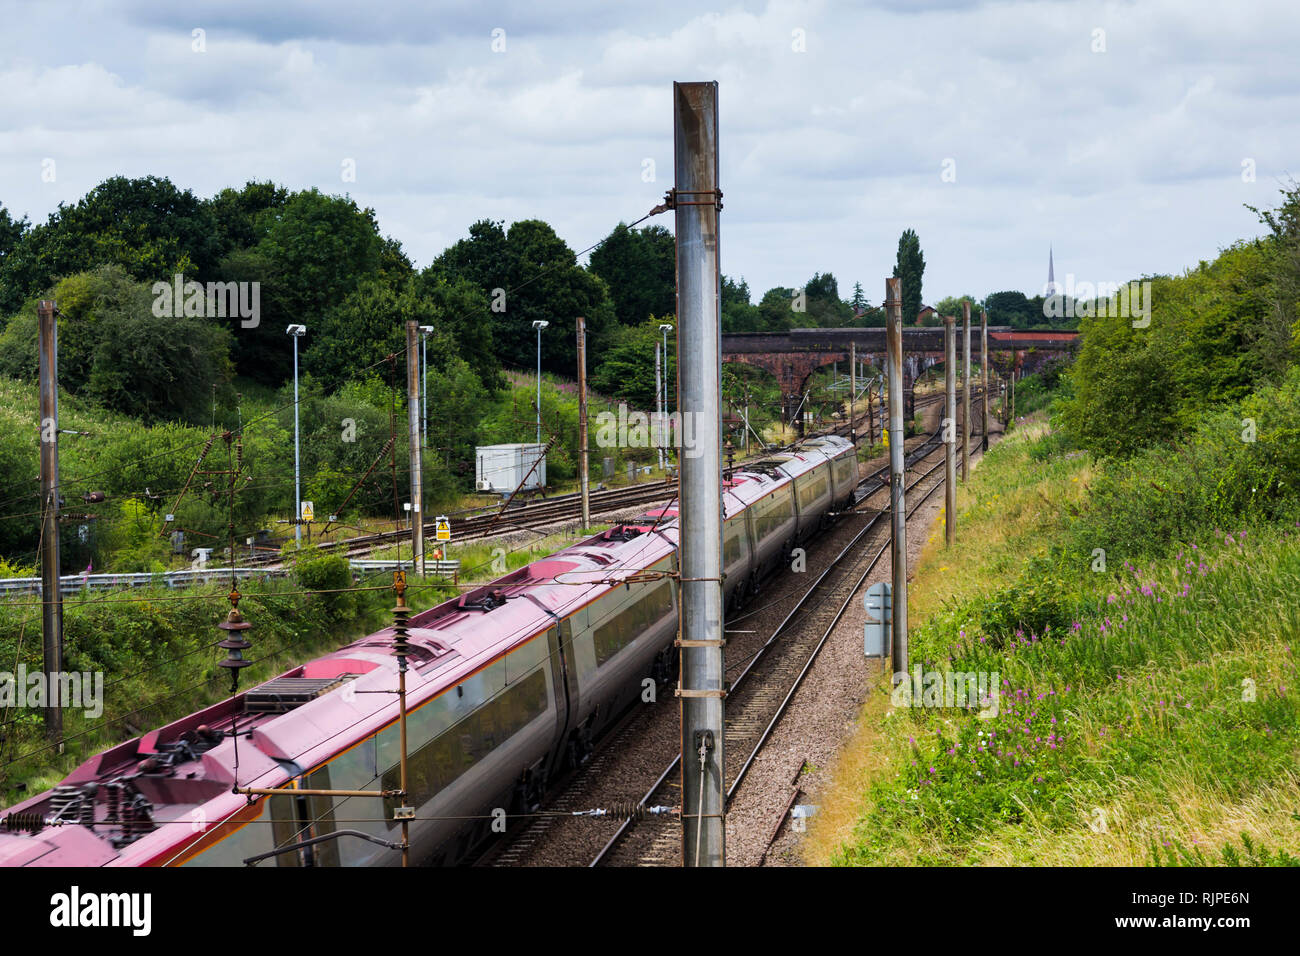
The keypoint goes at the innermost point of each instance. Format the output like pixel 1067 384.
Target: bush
pixel 331 575
pixel 1237 468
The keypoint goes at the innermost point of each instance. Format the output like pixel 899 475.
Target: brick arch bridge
pixel 792 357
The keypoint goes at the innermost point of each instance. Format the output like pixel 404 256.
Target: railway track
pixel 763 689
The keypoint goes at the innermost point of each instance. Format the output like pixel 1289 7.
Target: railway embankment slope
pixel 1130 631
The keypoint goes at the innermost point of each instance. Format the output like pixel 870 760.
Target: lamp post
pixel 539 324
pixel 425 332
pixel 664 329
pixel 297 331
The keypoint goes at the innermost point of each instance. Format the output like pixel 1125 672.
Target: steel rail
pixel 803 601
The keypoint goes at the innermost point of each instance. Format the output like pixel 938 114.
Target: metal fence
pixel 76 583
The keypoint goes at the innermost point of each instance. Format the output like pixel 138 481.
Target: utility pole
pixel 51 596
pixel 897 474
pixel 853 391
pixel 984 379
pixel 297 331
pixel 950 433
pixel 659 403
pixel 965 395
pixel 664 329
pixel 699 364
pixel 413 432
pixel 582 423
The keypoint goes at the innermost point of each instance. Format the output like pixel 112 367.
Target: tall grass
pixel 1147 713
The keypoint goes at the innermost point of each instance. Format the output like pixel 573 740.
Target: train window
pixel 254 837
pixel 626 626
pixel 733 541
pixel 440 762
pixel 772 512
pixel 811 489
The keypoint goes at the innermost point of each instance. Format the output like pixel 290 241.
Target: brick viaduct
pixel 792 356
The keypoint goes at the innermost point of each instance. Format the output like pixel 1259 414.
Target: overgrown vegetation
pixel 1142 701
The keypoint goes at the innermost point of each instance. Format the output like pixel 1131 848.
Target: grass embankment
pixel 1148 712
pixel 156 649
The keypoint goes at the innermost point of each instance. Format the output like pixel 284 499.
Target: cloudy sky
pixel 1128 135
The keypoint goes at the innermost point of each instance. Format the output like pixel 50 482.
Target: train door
pixel 559 640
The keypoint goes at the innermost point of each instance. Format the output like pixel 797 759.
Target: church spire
pixel 1051 273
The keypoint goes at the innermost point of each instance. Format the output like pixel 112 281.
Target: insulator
pixel 32 822
pixel 86 817
pixel 627 810
pixel 401 614
pixel 235 645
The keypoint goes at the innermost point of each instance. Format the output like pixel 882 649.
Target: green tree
pixel 777 310
pixel 235 212
pixel 146 226
pixel 312 252
pixel 1012 308
pixel 459 309
pixel 115 351
pixel 910 267
pixel 824 307
pixel 640 268
pixel 738 313
pixel 11 231
pixel 951 305
pixel 627 368
pixel 1139 384
pixel 530 274
pixel 859 301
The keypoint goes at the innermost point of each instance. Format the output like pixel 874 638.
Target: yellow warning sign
pixel 308 511
pixel 442 528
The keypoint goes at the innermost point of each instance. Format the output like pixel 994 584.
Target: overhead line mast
pixel 702 688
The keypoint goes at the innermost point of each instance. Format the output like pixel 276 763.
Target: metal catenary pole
pixel 965 394
pixel 898 516
pixel 984 380
pixel 413 434
pixel 699 349
pixel 664 329
pixel 51 596
pixel 853 391
pixel 950 434
pixel 659 402
pixel 582 424
pixel 539 324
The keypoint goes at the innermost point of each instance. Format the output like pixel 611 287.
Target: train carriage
pixel 508 684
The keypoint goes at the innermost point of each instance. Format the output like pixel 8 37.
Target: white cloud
pixel 1128 160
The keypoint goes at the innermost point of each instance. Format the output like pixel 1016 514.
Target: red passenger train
pixel 508 685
